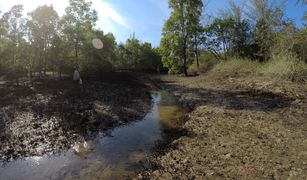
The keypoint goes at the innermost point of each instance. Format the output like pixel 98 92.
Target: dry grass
pixel 285 66
pixel 279 67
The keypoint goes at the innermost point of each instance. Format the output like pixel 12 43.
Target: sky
pixel 144 18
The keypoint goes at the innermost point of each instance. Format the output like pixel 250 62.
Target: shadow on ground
pixel 237 100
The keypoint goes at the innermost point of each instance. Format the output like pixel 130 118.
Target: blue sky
pixel 145 18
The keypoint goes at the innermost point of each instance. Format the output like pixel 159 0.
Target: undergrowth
pixel 285 66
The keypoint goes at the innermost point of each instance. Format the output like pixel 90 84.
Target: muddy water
pixel 112 155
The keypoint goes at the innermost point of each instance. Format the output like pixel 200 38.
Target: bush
pixel 285 66
pixel 237 66
pixel 294 43
pixel 206 62
pixel 96 68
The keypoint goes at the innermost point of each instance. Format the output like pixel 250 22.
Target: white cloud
pixel 30 5
pixel 108 17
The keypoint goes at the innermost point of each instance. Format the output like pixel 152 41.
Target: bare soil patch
pixel 238 128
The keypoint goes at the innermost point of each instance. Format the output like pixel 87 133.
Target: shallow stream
pixel 111 155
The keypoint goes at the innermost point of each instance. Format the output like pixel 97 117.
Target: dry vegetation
pixel 247 121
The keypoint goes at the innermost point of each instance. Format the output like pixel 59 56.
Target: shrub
pixel 285 66
pixel 237 66
pixel 206 62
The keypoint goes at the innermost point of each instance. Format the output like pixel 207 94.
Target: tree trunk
pixel 185 60
pixel 76 53
pixel 197 61
pixel 185 67
pixel 224 49
pixel 17 82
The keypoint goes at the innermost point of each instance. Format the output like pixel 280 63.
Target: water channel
pixel 113 155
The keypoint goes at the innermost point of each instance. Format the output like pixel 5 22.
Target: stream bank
pixel 239 128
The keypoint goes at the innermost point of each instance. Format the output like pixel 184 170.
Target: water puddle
pixel 113 155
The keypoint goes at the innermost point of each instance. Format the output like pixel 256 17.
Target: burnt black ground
pixel 45 116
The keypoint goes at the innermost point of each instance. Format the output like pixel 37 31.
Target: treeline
pixel 43 42
pixel 256 30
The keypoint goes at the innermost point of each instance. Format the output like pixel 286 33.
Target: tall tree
pixel 78 20
pixel 241 36
pixel 264 13
pixel 176 45
pixel 219 37
pixel 12 25
pixel 42 27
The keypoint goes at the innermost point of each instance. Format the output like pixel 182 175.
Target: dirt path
pixel 47 116
pixel 238 128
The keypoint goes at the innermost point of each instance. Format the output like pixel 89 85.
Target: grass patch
pixel 280 66
pixel 236 67
pixel 285 66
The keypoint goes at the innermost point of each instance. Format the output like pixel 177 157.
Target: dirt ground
pixel 238 128
pixel 47 116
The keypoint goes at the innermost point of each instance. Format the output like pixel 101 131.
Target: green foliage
pixel 176 46
pixel 264 38
pixel 41 29
pixel 230 36
pixel 220 33
pixel 76 23
pixel 44 42
pixel 12 25
pixel 207 61
pixel 137 56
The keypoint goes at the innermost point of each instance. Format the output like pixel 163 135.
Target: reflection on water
pixel 169 112
pixel 81 149
pixel 113 156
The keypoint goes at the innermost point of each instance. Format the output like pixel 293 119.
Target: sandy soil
pixel 238 128
pixel 47 116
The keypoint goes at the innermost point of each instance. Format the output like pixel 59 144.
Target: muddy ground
pixel 45 116
pixel 238 128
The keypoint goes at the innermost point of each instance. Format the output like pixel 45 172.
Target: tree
pixel 137 56
pixel 78 20
pixel 42 27
pixel 268 18
pixel 241 35
pixel 198 39
pixel 12 25
pixel 98 60
pixel 219 37
pixel 176 45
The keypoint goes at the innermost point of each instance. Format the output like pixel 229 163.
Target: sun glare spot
pixel 97 43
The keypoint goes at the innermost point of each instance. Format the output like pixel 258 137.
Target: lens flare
pixel 97 43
